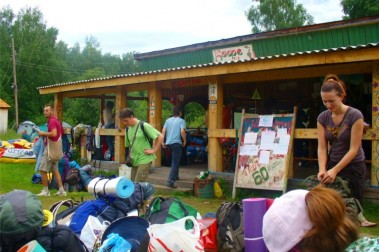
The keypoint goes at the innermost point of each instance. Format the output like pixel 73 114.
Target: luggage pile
pixel 133 221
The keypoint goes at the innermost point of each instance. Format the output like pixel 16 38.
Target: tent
pixel 27 126
pixel 43 127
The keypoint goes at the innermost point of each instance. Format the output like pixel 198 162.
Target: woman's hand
pixel 329 176
pixel 148 151
pixel 320 175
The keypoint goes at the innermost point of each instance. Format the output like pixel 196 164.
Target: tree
pixel 359 8
pixel 42 60
pixel 271 15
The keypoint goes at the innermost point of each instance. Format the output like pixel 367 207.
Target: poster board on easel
pixel 264 151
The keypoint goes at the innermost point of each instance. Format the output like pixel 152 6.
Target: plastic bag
pixel 115 243
pixel 208 232
pixel 174 237
pixel 91 231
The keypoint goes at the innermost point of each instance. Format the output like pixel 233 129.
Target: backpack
pixel 105 208
pixel 166 210
pixel 73 176
pixel 63 210
pixel 21 217
pixel 63 168
pixel 147 137
pixel 353 207
pixel 230 234
pixel 60 238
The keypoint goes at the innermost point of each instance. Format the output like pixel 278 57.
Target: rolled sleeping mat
pixel 121 187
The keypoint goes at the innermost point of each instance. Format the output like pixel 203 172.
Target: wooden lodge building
pixel 264 73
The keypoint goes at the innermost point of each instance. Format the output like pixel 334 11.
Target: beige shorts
pixel 46 165
pixel 141 172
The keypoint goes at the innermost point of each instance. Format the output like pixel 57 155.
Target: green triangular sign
pixel 256 95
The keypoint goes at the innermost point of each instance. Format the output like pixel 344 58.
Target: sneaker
pixel 59 193
pixel 44 193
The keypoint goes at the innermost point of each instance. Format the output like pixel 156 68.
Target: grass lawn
pixel 19 176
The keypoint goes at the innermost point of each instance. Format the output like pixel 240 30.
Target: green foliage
pixel 194 115
pixel 270 15
pixel 139 106
pixel 359 8
pixel 42 60
pixel 82 110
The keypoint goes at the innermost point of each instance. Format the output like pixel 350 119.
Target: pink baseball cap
pixel 286 221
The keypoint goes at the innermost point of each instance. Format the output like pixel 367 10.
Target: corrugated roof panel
pixel 275 45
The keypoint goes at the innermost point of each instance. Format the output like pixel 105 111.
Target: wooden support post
pixel 102 106
pixel 215 96
pixel 155 115
pixel 375 124
pixel 119 140
pixel 58 106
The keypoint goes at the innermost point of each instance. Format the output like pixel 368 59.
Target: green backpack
pixel 353 207
pixel 165 210
pixel 21 217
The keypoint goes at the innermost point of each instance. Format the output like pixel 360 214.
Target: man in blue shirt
pixel 174 131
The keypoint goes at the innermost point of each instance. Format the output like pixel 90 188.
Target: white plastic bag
pixel 174 237
pixel 91 230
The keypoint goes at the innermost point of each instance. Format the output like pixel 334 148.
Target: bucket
pixel 204 188
pixel 125 171
pixel 32 246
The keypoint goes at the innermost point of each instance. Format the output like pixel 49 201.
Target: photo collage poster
pixel 265 144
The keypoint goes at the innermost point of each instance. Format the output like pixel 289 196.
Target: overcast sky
pixel 122 26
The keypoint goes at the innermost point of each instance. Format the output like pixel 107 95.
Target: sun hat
pixel 286 221
pixel 48 217
pixel 132 228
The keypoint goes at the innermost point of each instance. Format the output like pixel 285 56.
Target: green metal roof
pixel 301 39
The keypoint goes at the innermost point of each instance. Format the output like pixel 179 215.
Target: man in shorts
pixel 54 133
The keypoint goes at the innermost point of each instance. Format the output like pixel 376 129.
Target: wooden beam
pixel 215 97
pixel 58 106
pixel 297 73
pixel 119 142
pixel 375 124
pixel 155 115
pixel 99 93
pixel 370 134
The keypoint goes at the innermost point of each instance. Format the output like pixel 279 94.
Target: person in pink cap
pixel 310 221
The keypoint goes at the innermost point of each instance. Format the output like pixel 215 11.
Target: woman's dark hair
pixel 125 113
pixel 332 82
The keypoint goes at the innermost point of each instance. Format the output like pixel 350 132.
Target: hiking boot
pixel 59 193
pixel 44 193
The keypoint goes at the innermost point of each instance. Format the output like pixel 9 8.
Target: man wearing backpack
pixel 53 135
pixel 174 130
pixel 137 139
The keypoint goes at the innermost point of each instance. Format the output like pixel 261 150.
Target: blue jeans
pixel 176 156
pixel 110 139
